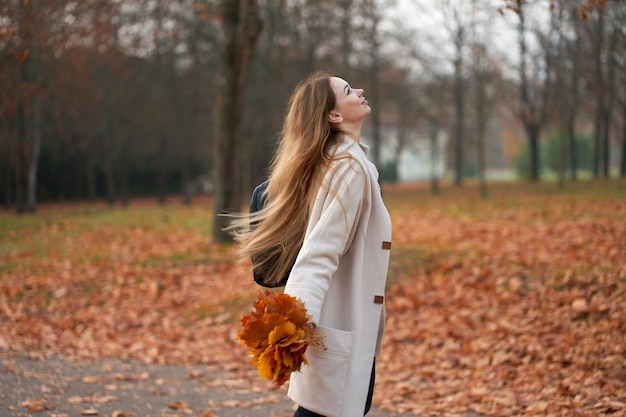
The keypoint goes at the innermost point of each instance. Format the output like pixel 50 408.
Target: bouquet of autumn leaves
pixel 278 332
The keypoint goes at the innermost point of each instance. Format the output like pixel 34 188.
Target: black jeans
pixel 303 412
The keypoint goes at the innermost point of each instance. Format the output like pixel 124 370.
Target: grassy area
pixel 26 240
pixel 61 231
pixel 503 197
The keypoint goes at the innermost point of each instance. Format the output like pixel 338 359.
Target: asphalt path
pixel 32 385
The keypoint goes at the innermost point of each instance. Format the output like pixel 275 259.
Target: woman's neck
pixel 353 131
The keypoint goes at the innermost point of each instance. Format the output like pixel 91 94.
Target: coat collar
pixel 346 142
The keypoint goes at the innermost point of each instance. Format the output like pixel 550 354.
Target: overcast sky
pixel 426 20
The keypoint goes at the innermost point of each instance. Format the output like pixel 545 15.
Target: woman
pixel 325 219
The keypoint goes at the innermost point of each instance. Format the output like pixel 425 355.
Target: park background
pixel 499 129
pixel 110 100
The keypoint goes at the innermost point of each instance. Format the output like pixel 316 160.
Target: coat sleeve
pixel 332 226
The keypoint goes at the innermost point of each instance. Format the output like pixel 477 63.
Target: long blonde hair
pixel 296 172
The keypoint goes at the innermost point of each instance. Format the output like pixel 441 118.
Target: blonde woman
pixel 324 219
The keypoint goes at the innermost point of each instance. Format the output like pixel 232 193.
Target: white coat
pixel 340 274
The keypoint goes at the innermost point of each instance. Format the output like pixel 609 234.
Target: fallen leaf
pixel 580 306
pixel 177 405
pixel 121 413
pixel 35 406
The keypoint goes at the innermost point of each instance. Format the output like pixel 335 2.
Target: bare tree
pixel 435 112
pixel 603 32
pixel 596 33
pixel 346 30
pixel 31 25
pixel 620 64
pixel 373 18
pixel 559 22
pixel 484 76
pixel 573 95
pixel 241 25
pixel 457 18
pixel 534 88
pixel 481 76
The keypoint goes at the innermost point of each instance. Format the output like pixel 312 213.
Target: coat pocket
pixel 319 386
pixel 336 342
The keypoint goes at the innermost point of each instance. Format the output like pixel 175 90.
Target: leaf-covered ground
pixel 511 306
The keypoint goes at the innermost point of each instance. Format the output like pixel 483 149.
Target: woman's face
pixel 351 105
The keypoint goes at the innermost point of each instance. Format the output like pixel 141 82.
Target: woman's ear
pixel 334 117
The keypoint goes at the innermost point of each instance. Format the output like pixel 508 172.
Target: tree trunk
pixel 8 186
pixel 607 108
pixel 573 149
pixel 460 116
pixel 185 182
pixel 375 82
pixel 597 143
pixel 109 175
pixel 574 94
pixel 434 157
pixel 32 174
pixel 533 112
pixel 31 78
pixel 562 89
pixel 20 163
pixel 376 123
pixel 481 133
pixel 162 176
pixel 405 114
pixel 124 180
pixel 561 168
pixel 456 23
pixel 606 144
pixel 241 25
pixel 622 168
pixel 91 177
pixel 33 162
pixel 598 44
pixel 533 142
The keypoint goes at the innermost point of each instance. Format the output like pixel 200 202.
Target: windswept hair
pixel 296 172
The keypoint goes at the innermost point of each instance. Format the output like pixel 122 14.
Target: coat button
pixel 386 245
